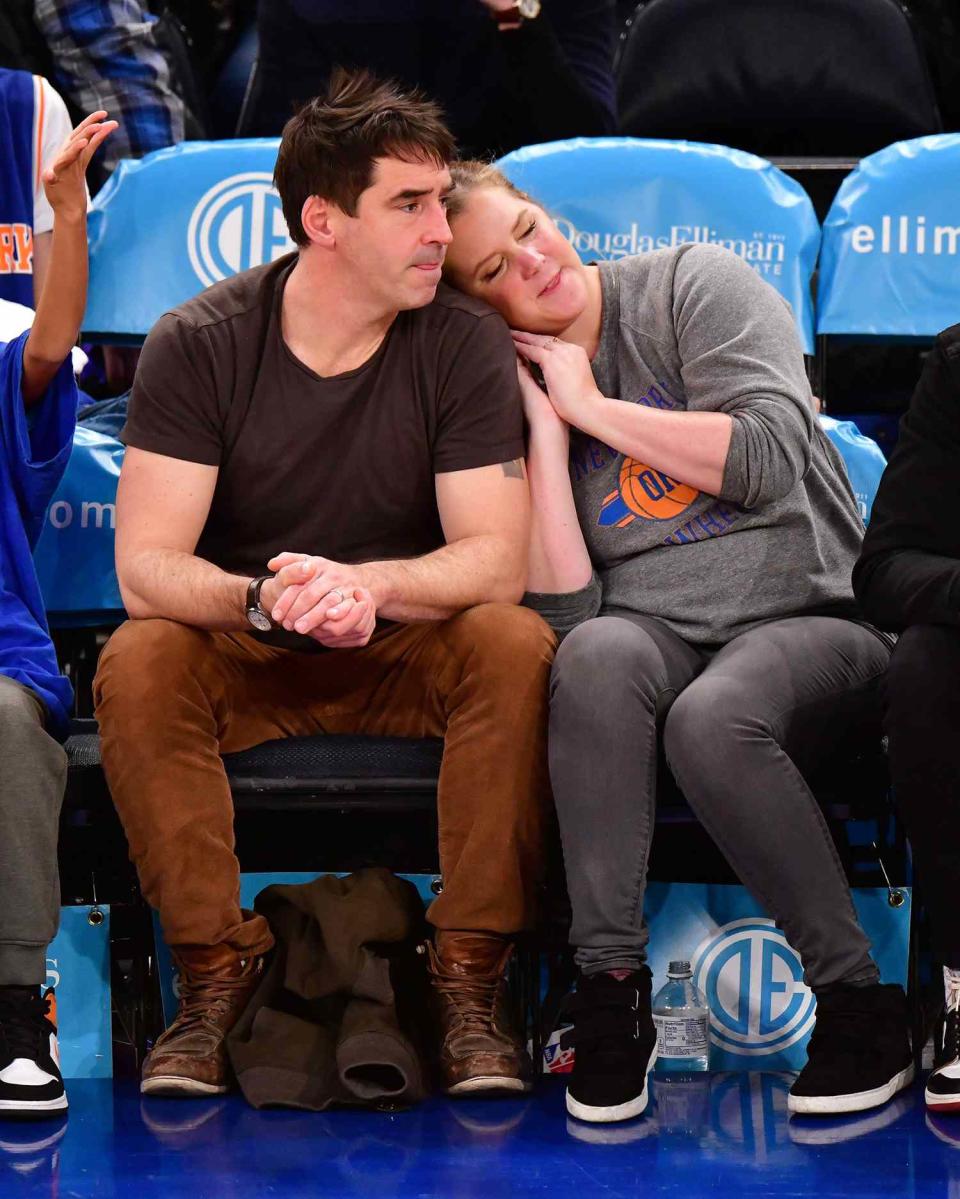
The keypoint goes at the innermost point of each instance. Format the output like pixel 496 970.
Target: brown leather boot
pixel 190 1058
pixel 479 1050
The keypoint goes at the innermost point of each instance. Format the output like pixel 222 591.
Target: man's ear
pixel 315 218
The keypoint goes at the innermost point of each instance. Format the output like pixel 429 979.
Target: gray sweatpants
pixel 738 727
pixel 31 793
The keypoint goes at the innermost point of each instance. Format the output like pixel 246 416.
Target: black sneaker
pixel 31 1086
pixel 942 1092
pixel 859 1055
pixel 616 1046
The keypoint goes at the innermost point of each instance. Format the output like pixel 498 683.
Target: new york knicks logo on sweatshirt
pixel 646 493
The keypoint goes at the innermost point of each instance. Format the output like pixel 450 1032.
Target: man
pixel 343 419
pixel 908 581
pixel 38 408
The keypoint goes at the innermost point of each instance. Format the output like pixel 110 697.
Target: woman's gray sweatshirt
pixel 695 329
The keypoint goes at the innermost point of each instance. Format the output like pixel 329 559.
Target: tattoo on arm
pixel 513 470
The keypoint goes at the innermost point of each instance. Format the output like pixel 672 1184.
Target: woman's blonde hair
pixel 473 174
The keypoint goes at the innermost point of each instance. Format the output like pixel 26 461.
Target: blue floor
pixel 728 1135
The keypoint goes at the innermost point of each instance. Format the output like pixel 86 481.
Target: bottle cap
pixel 677 968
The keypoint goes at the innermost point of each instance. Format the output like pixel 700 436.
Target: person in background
pixel 38 404
pixel 506 74
pixel 907 580
pixel 34 123
pixel 938 25
pixel 107 55
pixel 693 537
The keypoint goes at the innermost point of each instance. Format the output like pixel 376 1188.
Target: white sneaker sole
pixel 826 1105
pixel 176 1087
pixel 28 1107
pixel 619 1111
pixel 941 1103
pixel 490 1084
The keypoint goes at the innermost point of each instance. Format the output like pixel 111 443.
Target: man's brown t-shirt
pixel 343 466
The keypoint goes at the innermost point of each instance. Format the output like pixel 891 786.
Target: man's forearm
pixel 475 570
pixel 179 586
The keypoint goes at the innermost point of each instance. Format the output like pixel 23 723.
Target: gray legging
pixel 31 792
pixel 739 727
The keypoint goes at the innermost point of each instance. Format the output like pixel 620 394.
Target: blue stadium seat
pixel 863 458
pixel 888 279
pixel 891 244
pixel 170 224
pixel 618 196
pixel 74 556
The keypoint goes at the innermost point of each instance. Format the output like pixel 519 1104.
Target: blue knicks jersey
pixel 17 126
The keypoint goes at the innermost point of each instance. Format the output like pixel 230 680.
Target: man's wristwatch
pixel 256 614
pixel 523 10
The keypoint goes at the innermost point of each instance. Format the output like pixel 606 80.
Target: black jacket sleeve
pixel 551 78
pixel 560 69
pixel 909 569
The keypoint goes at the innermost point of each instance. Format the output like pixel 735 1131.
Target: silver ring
pixel 339 592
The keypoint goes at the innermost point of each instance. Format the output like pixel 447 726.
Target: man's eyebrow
pixel 524 215
pixel 411 193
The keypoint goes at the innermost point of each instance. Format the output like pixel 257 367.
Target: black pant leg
pixel 922 721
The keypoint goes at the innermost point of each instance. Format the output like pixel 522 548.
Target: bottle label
pixel 681 1036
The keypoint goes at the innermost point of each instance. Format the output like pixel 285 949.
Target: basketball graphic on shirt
pixel 652 494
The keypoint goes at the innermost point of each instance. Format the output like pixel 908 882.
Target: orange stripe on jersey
pixel 7 265
pixel 38 151
pixel 23 244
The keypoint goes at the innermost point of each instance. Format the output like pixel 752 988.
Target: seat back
pixel 617 196
pixel 863 458
pixel 891 243
pixel 807 77
pixel 170 224
pixel 74 555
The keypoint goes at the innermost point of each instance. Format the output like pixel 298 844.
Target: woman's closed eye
pixel 492 274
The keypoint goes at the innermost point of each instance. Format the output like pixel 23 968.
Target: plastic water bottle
pixel 682 1019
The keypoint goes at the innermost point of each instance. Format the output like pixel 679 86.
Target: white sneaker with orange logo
pixel 31 1086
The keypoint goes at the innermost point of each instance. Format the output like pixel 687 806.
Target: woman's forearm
pixel 559 561
pixel 690 447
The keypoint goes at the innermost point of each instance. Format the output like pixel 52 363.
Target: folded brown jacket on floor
pixel 323 1026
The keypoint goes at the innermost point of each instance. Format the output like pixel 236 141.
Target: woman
pixel 694 535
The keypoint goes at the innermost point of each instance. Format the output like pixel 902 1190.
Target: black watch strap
pixel 253 597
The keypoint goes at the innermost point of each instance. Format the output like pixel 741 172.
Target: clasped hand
pixel 321 599
pixel 570 386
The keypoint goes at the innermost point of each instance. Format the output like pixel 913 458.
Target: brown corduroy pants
pixel 171 698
